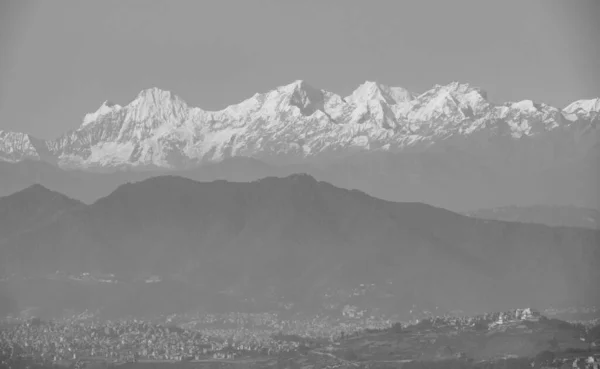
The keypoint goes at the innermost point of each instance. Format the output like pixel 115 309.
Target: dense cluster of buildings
pixel 171 338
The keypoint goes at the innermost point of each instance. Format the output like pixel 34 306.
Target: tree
pixel 397 328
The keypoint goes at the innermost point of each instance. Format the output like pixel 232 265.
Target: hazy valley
pixel 321 230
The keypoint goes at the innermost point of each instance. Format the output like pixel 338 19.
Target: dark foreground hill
pixel 297 239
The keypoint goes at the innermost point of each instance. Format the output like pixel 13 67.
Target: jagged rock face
pixel 16 146
pixel 298 123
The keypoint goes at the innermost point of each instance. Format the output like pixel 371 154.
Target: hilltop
pixel 299 241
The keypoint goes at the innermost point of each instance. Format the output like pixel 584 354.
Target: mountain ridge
pixel 16 210
pixel 299 123
pixel 306 238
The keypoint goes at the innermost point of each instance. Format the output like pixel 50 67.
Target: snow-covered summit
pixel 370 91
pixel 155 103
pixel 303 96
pixel 18 146
pixel 298 122
pixel 525 105
pixel 585 109
pixel 452 102
pixel 591 105
pixel 106 108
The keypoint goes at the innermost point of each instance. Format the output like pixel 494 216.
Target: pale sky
pixel 61 59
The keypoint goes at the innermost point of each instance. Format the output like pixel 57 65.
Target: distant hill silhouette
pixel 89 186
pixel 568 216
pixel 296 238
pixel 447 178
pixel 31 207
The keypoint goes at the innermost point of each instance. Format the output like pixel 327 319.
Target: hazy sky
pixel 61 59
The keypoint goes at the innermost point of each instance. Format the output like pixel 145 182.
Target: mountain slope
pixel 299 238
pixel 31 208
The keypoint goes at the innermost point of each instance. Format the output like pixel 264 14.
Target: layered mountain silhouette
pixel 30 208
pixel 448 178
pixel 449 146
pixel 89 186
pixel 299 123
pixel 550 215
pixel 298 239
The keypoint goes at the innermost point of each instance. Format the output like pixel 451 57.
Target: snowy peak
pixel 525 105
pixel 370 91
pixel 305 97
pixel 463 92
pixel 17 146
pixel 153 94
pixel 297 85
pixel 151 103
pixel 156 104
pixel 531 109
pixel 105 109
pixel 586 109
pixel 398 94
pixel 155 97
pixel 299 88
pixel 591 105
pixel 298 122
pixel 453 102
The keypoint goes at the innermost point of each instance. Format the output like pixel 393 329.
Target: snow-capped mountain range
pixel 298 123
